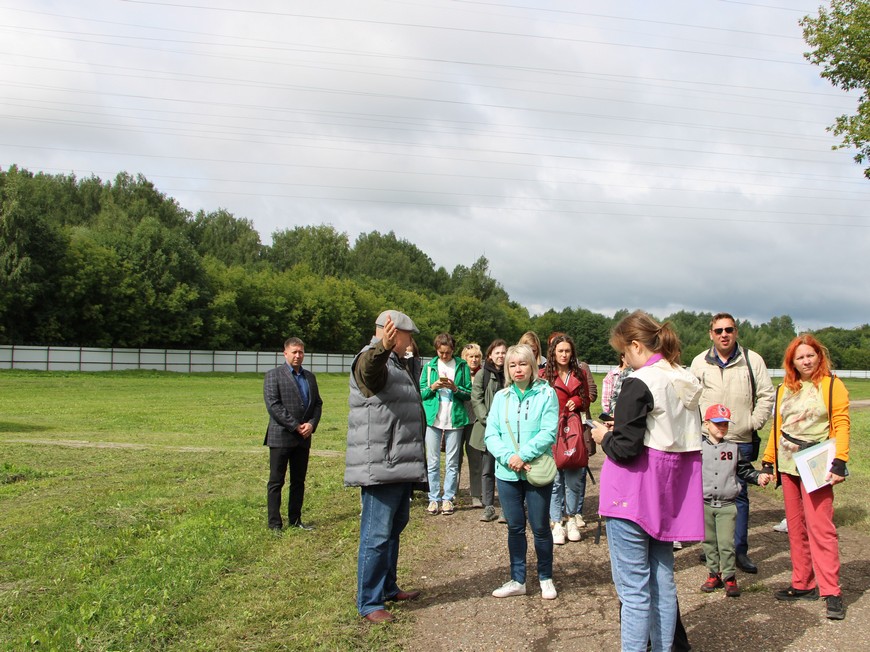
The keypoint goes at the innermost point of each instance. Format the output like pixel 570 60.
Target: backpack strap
pixel 751 377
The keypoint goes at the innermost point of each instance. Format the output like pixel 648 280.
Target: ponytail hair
pixel 640 327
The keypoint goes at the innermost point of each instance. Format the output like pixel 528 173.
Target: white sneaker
pixel 509 589
pixel 782 526
pixel 548 590
pixel 558 534
pixel 678 545
pixel 578 519
pixel 573 532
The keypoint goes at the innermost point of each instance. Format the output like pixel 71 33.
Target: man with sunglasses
pixel 736 377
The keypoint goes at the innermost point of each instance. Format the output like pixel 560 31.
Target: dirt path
pixel 463 560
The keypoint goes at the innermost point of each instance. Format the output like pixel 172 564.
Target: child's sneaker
pixel 713 582
pixel 731 588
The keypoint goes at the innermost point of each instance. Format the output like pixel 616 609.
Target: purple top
pixel 659 491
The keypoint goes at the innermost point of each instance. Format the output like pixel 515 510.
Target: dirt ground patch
pixel 464 559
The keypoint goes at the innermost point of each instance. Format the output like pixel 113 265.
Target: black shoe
pixel 745 564
pixel 302 526
pixel 276 530
pixel 791 594
pixel 836 608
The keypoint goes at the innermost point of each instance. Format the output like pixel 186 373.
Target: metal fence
pixel 69 358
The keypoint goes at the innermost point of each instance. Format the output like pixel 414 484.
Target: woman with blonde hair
pixel 811 407
pixel 473 357
pixel 520 428
pixel 531 340
pixel 650 486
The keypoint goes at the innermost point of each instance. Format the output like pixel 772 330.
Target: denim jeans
pixel 514 498
pixel 643 572
pixel 385 513
pixel 569 492
pixel 741 528
pixel 453 448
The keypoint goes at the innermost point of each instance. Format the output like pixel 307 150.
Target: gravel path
pixel 463 560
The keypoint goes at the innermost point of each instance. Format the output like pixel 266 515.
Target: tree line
pixel 118 264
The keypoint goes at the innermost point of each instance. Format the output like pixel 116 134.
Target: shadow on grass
pixel 7 426
pixel 850 515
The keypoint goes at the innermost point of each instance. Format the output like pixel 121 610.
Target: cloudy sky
pixel 634 154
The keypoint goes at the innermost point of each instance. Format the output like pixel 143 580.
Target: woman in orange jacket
pixel 812 406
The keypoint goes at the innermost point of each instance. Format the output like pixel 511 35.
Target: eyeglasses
pixel 727 329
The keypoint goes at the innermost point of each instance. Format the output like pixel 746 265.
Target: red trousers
pixel 812 537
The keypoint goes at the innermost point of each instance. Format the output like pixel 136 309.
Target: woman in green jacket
pixel 444 387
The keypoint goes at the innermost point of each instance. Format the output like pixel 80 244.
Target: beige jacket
pixel 732 387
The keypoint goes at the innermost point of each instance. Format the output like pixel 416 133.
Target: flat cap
pixel 400 319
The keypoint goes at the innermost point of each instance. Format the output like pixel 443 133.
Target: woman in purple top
pixel 650 487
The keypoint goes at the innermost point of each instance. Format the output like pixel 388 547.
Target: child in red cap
pixel 720 471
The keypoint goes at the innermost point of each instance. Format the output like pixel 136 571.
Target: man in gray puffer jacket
pixel 385 457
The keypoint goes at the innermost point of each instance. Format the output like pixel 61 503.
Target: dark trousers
pixel 279 460
pixel 474 462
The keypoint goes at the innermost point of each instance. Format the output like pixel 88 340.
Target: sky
pixel 656 155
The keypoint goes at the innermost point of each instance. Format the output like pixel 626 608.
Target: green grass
pixel 161 543
pixel 161 547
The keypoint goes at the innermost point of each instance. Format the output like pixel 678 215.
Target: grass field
pixel 146 529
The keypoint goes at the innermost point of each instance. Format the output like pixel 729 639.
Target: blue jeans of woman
pixel 453 450
pixel 643 572
pixel 515 498
pixel 385 513
pixel 569 492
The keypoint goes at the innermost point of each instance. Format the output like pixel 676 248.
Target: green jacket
pixel 462 380
pixel 533 419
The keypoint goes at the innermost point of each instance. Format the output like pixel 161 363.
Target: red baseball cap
pixel 717 413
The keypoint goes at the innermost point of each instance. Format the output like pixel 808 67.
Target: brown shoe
pixel 379 616
pixel 405 595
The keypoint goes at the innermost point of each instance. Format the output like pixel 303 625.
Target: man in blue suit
pixel 294 407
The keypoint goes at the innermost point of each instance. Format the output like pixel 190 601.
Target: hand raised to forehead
pixel 389 335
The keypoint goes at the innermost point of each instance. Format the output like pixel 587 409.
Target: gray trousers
pixel 474 462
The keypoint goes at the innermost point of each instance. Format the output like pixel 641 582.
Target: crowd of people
pixel 679 445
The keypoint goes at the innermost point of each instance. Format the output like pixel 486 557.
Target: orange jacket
pixel 836 401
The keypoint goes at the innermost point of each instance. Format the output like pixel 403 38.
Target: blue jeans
pixel 741 528
pixel 514 498
pixel 385 513
pixel 569 492
pixel 643 572
pixel 453 448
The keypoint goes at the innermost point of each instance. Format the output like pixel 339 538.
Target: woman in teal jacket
pixel 445 385
pixel 527 411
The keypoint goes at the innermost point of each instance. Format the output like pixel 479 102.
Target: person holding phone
pixel 651 484
pixel 445 385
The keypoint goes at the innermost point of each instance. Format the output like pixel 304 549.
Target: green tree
pixel 378 256
pixel 840 42
pixel 219 234
pixel 31 253
pixel 321 247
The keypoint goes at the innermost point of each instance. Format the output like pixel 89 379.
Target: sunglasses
pixel 727 329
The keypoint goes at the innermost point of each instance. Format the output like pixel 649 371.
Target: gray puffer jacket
pixel 385 431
